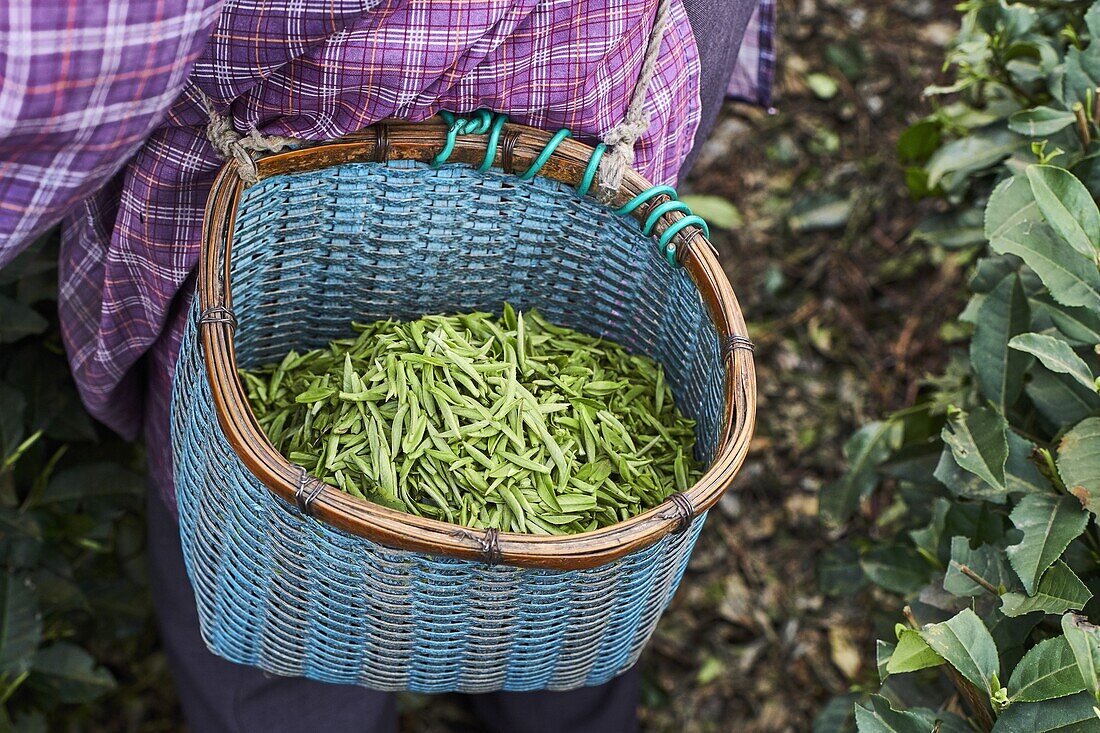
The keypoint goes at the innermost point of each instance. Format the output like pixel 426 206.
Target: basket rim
pixel 520 145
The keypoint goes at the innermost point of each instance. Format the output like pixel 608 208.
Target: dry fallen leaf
pixel 843 652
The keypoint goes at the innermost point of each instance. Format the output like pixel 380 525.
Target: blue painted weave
pixel 294 596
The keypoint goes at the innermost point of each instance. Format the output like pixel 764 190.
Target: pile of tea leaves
pixel 509 423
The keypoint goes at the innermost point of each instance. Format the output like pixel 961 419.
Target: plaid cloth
pixel 752 78
pixel 86 83
pixel 82 84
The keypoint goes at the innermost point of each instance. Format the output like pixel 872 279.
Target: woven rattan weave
pixel 301 579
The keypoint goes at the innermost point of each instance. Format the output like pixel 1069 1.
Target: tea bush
pixel 979 503
pixel 75 618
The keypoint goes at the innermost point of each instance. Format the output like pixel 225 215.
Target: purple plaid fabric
pixel 82 84
pixel 752 77
pixel 91 82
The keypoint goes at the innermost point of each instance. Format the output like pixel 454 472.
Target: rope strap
pixel 620 139
pixel 233 146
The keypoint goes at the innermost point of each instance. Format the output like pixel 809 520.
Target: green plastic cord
pixel 484 121
pixel 645 196
pixel 545 154
pixel 665 242
pixel 478 124
pixel 590 170
pixel 660 210
pixel 494 139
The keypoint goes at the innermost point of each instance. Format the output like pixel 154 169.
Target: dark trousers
pixel 222 697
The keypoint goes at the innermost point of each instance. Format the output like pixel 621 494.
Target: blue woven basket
pixel 300 579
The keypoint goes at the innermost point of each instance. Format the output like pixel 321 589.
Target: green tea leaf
pixel 1083 639
pixel 1073 714
pixel 53 404
pixel 1010 633
pixel 899 569
pixel 712 669
pixel 1013 225
pixel 1059 590
pixel 867 447
pixel 1067 207
pixel 820 212
pixel 12 406
pixel 837 715
pixel 911 654
pixel 987 562
pixel 839 572
pixel 1059 398
pixel 1092 22
pixel 822 85
pixel 1056 355
pixel 18 320
pixel 963 483
pixel 1047 671
pixel 1049 523
pixel 89 480
pixel 876 716
pixel 20 627
pixel 943 721
pixel 1079 325
pixel 1004 313
pixel 1011 206
pixel 1081 75
pixel 29 723
pixel 975 152
pixel 952 229
pixel 919 140
pixel 315 394
pixel 964 642
pixel 979 443
pixel 717 211
pixel 69 674
pixel 1021 473
pixel 990 271
pixel 1040 121
pixel 1079 462
pixel 883 651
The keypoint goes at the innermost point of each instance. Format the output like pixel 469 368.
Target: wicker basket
pixel 301 579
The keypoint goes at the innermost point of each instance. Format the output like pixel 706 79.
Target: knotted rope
pixel 232 145
pixel 620 139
